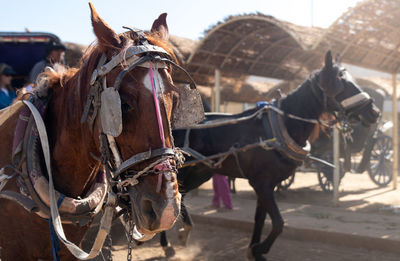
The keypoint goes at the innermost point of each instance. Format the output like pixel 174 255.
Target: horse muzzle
pixel 370 115
pixel 155 200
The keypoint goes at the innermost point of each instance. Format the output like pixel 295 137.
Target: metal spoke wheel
pixel 380 167
pixel 325 173
pixel 285 184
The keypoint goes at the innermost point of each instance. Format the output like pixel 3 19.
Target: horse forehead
pixel 153 78
pixel 349 80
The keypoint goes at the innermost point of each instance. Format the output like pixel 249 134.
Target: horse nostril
pixel 377 113
pixel 147 208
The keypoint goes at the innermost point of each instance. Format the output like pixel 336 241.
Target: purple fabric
pixel 221 191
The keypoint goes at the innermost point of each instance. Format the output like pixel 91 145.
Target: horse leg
pixel 267 203
pixel 166 246
pixel 232 185
pixel 259 219
pixel 184 232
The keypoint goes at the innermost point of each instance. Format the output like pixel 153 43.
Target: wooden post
pixel 217 90
pixel 336 171
pixel 395 132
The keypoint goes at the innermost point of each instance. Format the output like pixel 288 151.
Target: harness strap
pixel 24 201
pixel 117 59
pixel 285 143
pixel 106 219
pixel 140 157
pixel 55 244
pixel 356 100
pixel 235 154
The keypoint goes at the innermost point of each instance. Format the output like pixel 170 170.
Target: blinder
pixel 110 112
pixel 189 109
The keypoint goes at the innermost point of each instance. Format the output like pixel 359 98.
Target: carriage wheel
pixel 380 167
pixel 285 184
pixel 325 173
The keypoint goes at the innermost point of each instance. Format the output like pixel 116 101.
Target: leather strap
pixel 106 220
pixel 285 143
pixel 140 157
pixel 24 201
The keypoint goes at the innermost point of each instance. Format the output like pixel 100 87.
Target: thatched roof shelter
pixel 367 35
pixel 255 44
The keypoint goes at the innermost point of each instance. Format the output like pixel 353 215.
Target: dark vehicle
pixel 361 149
pixel 22 50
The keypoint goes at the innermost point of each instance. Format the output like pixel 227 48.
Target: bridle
pixel 346 108
pixel 143 55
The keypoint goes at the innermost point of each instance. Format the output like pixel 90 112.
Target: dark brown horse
pixel 77 149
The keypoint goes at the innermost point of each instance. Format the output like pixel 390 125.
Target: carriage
pixel 361 149
pixel 21 50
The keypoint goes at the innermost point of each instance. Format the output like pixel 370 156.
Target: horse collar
pixel 285 143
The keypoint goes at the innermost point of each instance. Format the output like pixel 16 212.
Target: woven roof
pixel 255 45
pixel 367 35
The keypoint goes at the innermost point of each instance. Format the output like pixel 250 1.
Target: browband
pixel 119 58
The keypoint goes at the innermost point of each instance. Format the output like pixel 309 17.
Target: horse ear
pixel 160 27
pixel 338 59
pixel 105 35
pixel 328 59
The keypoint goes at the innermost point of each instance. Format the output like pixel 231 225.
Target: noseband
pixel 347 107
pixel 143 55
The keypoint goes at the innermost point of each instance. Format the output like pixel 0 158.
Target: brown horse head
pixel 124 96
pixel 147 98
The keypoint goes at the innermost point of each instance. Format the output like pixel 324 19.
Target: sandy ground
pixel 358 195
pixel 213 243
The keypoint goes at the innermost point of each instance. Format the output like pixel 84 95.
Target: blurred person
pixel 55 52
pixel 221 193
pixel 7 93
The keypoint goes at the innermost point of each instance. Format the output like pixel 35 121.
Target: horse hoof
pixel 169 251
pixel 183 234
pixel 250 255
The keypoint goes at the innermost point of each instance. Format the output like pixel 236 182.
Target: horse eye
pixel 125 107
pixel 175 101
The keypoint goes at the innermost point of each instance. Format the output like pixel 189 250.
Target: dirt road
pixel 210 243
pixel 358 196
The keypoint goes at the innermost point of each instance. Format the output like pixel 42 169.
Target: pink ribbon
pixel 159 120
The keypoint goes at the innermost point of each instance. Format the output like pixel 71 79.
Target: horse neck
pixel 71 141
pixel 302 102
